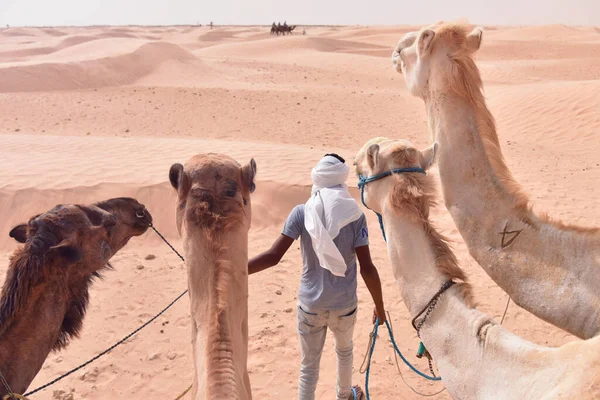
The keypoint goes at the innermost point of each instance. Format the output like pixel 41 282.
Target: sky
pixel 308 12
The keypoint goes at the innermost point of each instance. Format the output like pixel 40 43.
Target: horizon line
pixel 298 25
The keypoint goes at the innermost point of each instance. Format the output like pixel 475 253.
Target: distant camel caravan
pixel 213 218
pixel 45 294
pixel 547 267
pixel 276 29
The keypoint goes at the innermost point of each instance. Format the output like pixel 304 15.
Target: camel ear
pixel 175 174
pixel 178 178
pixel 69 253
pixel 474 40
pixel 424 42
pixel 248 175
pixel 429 156
pixel 373 155
pixel 19 233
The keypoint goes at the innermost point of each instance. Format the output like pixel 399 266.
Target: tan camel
pixel 45 294
pixel 548 268
pixel 213 218
pixel 476 358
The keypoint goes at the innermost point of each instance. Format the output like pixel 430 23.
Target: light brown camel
pixel 548 268
pixel 476 358
pixel 45 294
pixel 213 218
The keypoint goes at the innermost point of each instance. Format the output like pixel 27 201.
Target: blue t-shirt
pixel 319 288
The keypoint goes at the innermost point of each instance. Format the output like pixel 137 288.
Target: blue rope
pixel 372 349
pixel 363 180
pixel 431 378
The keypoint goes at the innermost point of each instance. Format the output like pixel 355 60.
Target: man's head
pixel 336 156
pixel 330 171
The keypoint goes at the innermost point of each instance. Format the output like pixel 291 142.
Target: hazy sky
pixel 364 12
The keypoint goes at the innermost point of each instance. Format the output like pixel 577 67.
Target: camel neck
pixel 413 262
pixel 218 288
pixel 24 348
pixel 454 333
pixel 456 126
pixel 499 228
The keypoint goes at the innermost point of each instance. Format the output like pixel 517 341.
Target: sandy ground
pixel 92 113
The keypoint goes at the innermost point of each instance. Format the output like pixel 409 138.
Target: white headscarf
pixel 329 209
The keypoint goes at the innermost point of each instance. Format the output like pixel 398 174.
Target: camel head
pixel 213 193
pixel 380 155
pixel 436 55
pixel 69 235
pixel 132 219
pixel 213 218
pixel 71 230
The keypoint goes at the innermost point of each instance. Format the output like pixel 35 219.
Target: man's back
pixel 319 288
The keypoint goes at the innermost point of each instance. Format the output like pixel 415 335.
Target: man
pixel 333 234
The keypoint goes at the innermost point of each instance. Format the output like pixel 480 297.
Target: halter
pixel 363 180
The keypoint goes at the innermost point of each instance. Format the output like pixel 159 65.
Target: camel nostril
pixel 210 202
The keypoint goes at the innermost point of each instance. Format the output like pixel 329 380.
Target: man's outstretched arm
pixel 270 257
pixel 371 277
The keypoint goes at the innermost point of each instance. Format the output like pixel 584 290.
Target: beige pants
pixel 312 330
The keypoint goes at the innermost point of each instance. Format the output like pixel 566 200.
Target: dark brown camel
pixel 45 294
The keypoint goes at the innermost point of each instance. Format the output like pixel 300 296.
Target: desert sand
pixel 91 113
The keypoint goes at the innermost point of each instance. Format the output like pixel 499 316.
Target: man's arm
pixel 371 277
pixel 270 257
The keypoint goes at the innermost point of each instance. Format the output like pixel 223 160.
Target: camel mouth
pixel 206 215
pixel 105 251
pixel 143 220
pixel 396 62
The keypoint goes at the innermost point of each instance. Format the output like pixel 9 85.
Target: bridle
pixel 364 180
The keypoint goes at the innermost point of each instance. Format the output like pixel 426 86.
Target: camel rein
pixel 427 310
pixel 362 183
pixel 14 396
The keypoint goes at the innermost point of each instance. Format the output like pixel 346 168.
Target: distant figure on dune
pixel 211 25
pixel 333 233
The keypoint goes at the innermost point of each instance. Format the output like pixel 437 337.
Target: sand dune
pixel 559 33
pixel 92 113
pixel 110 71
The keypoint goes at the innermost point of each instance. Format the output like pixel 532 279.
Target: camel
pixel 289 29
pixel 283 29
pixel 476 357
pixel 45 294
pixel 213 218
pixel 548 268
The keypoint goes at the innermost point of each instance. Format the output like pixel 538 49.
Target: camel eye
pixel 231 189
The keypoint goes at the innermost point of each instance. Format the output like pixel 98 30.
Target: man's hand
pixel 371 278
pixel 379 316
